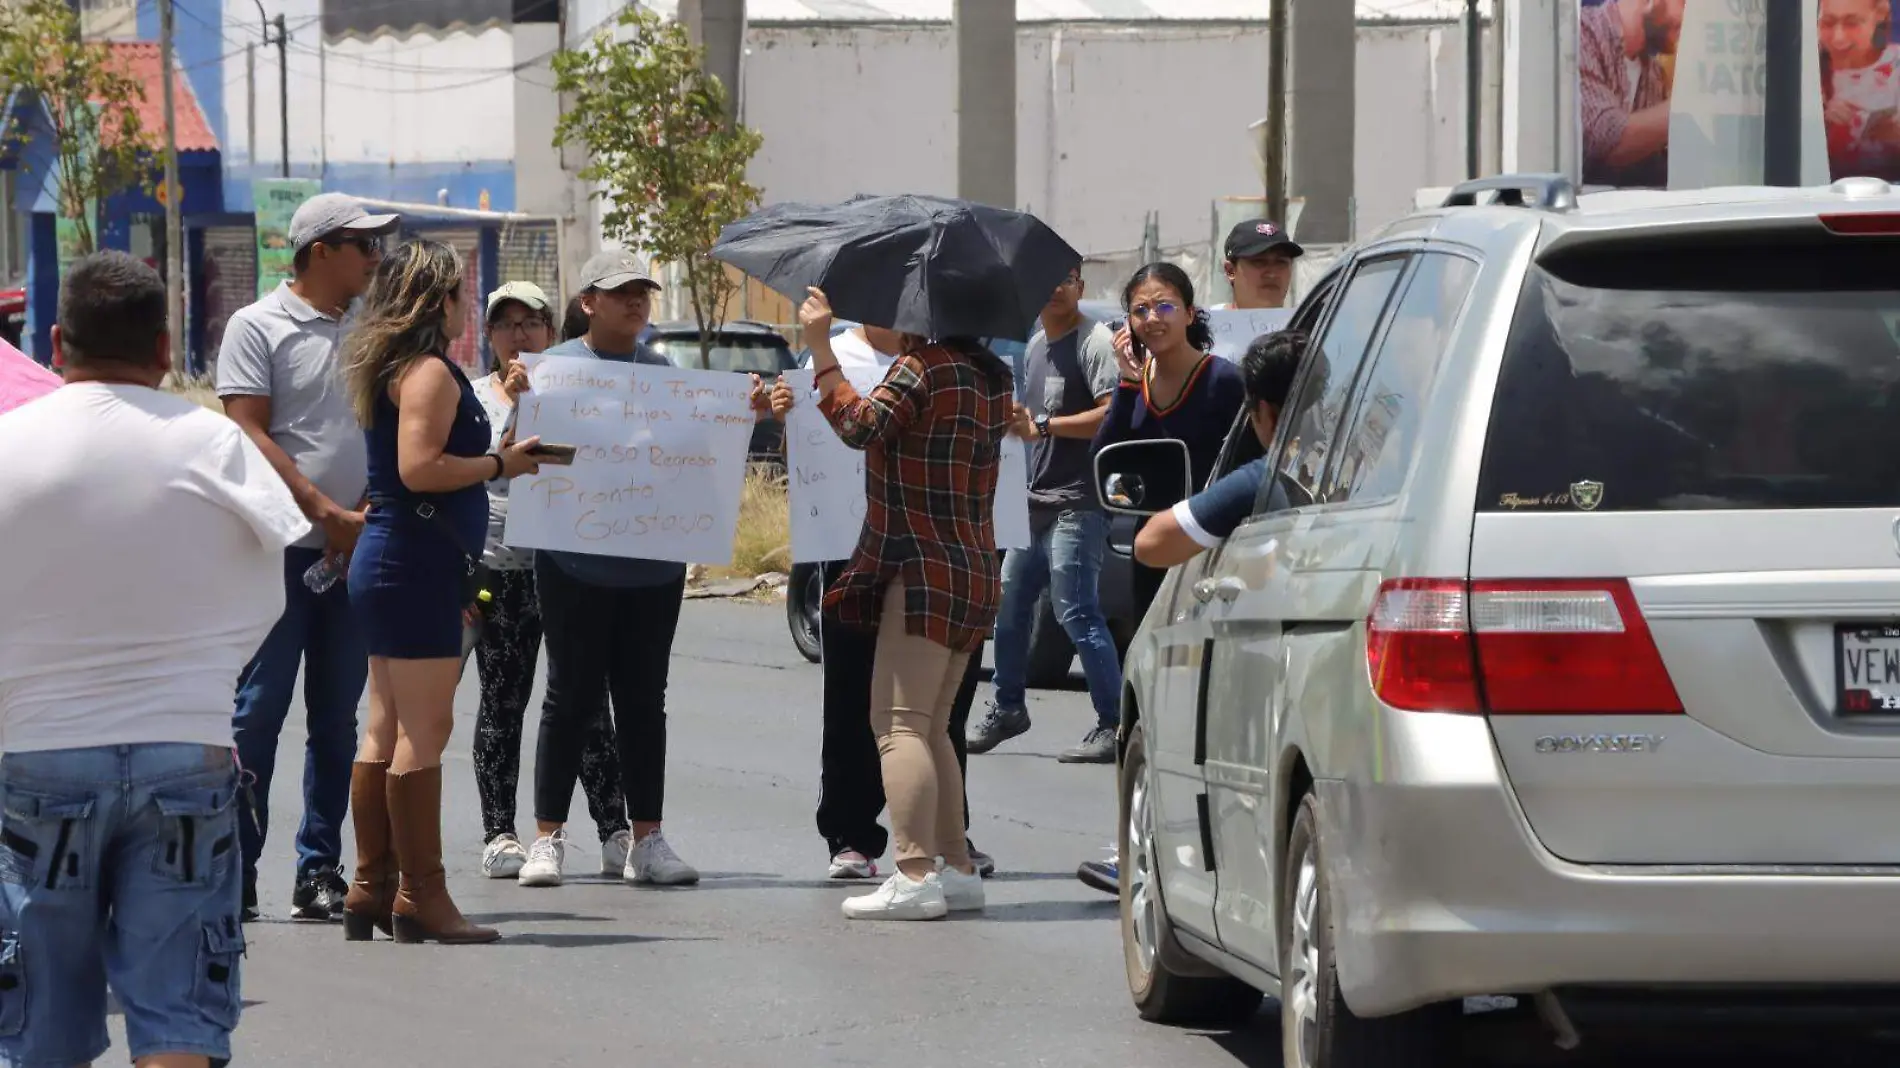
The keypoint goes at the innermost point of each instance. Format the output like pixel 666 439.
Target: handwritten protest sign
pixel 827 480
pixel 660 465
pixel 1235 329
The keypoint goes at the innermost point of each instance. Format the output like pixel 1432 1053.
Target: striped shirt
pixel 931 433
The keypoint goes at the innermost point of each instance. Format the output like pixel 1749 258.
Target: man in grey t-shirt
pixel 1069 374
pixel 280 377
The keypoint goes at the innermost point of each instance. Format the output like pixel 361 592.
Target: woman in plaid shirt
pixel 926 577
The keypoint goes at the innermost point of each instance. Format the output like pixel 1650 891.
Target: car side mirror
pixel 1144 477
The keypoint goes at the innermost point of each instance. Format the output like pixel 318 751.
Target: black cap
pixel 1255 236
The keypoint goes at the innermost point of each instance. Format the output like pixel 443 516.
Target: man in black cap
pixel 1260 255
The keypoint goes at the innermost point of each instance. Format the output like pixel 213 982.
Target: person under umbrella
pixel 925 575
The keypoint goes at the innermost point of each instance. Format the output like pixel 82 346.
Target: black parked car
pixel 1050 652
pixel 743 347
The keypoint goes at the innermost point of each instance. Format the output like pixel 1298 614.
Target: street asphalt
pixel 756 966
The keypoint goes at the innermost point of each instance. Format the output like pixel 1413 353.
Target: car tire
pixel 804 596
pixel 1156 964
pixel 1318 1029
pixel 1050 650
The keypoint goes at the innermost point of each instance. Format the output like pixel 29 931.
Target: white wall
pixel 1113 121
pixel 424 98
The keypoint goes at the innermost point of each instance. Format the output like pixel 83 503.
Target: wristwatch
pixel 1042 426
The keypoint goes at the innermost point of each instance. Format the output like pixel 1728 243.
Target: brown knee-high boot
pixel 423 911
pixel 373 885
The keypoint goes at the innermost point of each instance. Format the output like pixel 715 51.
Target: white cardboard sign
pixel 660 468
pixel 1234 328
pixel 827 480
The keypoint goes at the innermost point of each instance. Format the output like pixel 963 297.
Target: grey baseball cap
pixel 613 269
pixel 326 213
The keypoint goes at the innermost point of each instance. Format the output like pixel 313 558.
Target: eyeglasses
pixel 517 326
pixel 1160 310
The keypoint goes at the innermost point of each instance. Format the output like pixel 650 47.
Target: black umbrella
pixel 922 265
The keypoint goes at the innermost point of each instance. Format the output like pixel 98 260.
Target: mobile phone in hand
pixel 553 454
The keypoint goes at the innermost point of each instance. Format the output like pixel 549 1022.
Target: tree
pixel 669 163
pixel 89 100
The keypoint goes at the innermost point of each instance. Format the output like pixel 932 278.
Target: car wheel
pixel 1152 957
pixel 804 600
pixel 1050 650
pixel 1317 1028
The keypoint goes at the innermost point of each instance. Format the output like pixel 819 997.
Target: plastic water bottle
pixel 323 574
pixel 472 632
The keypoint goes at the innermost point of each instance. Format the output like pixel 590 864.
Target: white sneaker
pixel 503 857
pixel 961 893
pixel 900 898
pixel 544 861
pixel 654 862
pixel 613 852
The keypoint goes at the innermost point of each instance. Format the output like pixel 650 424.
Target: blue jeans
pixel 118 865
pixel 1066 560
pixel 318 632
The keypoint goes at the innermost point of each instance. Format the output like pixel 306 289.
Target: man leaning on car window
pixel 1200 522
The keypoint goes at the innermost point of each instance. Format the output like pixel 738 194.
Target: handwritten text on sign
pixel 827 480
pixel 1234 328
pixel 660 465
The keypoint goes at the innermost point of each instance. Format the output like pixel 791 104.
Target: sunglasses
pixel 1160 310
pixel 367 244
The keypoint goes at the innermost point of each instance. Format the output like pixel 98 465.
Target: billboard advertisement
pixel 1670 92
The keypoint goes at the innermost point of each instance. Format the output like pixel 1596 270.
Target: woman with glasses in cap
pixel 521 320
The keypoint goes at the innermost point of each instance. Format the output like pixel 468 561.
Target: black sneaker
pixel 1097 747
pixel 1103 875
pixel 319 896
pixel 996 727
pixel 249 912
pixel 984 863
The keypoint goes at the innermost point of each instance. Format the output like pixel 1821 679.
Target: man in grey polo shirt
pixel 280 377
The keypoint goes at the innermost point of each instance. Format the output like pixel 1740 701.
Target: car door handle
pixel 1229 588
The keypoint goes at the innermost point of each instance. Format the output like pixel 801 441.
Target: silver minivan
pixel 1573 673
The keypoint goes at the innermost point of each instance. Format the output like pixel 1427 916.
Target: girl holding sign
pixel 925 576
pixel 521 319
pixel 429 455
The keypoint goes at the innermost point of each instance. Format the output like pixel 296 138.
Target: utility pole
pixel 1276 111
pixel 283 93
pixel 1781 110
pixel 282 41
pixel 174 210
pixel 1474 91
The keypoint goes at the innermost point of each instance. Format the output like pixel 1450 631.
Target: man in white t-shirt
pixel 851 778
pixel 145 541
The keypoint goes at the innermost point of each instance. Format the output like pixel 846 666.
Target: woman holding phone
pixel 521 319
pixel 430 451
pixel 1171 386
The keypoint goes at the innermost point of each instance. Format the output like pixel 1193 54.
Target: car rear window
pixel 728 354
pixel 1722 378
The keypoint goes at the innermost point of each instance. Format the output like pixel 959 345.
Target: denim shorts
pixel 119 866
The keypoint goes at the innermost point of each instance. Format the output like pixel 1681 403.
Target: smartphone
pixel 553 454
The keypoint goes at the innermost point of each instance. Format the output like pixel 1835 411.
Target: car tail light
pixel 1863 223
pixel 1516 646
pixel 1418 647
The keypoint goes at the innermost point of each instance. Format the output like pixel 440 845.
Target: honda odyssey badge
pixel 1586 494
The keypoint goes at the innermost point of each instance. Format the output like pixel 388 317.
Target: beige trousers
pixel 913 685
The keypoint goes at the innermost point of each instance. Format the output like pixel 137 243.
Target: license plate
pixel 1868 665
